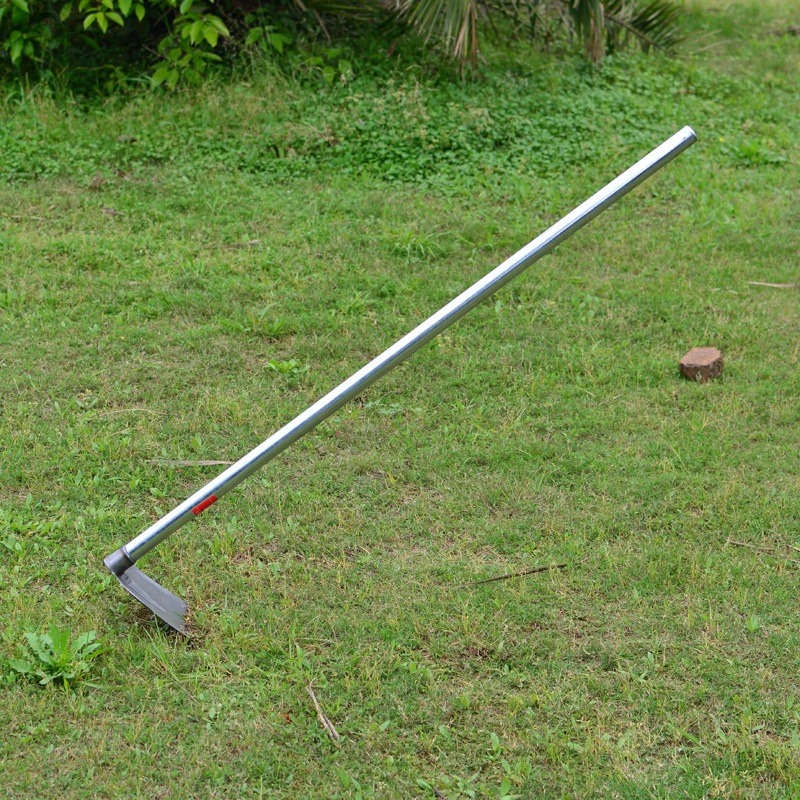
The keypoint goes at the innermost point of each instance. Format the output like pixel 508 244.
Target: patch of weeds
pixel 401 130
pixel 11 298
pixel 354 304
pixel 51 658
pixel 13 544
pixel 292 370
pixel 752 153
pixel 353 786
pixel 387 289
pixel 754 624
pixel 260 323
pixel 417 245
pixel 453 787
pixel 24 530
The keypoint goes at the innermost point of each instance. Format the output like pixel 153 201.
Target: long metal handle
pixel 409 344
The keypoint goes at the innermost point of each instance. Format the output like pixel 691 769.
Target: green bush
pixel 176 39
pixel 89 43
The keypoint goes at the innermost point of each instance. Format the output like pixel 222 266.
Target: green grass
pixel 189 306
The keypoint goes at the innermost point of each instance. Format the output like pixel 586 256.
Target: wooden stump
pixel 702 364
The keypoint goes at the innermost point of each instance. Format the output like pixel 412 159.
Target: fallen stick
pixel 519 574
pixel 322 717
pixel 93 414
pixel 775 285
pixel 179 462
pixel 768 550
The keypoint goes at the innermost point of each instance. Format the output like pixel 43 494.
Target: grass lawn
pixel 181 275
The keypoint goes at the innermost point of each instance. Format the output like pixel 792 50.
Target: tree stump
pixel 702 364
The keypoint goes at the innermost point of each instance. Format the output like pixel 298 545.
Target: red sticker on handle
pixel 204 505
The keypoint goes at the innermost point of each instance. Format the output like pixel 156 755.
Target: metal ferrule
pixel 118 562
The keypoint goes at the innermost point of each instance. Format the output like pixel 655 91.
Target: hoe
pixel 169 607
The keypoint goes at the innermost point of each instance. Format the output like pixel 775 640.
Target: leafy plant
pixel 176 41
pixel 35 35
pixel 597 23
pixel 752 153
pixel 290 369
pixel 753 623
pixel 51 658
pixel 652 24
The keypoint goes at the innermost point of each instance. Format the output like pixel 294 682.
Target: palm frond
pixel 453 23
pixel 599 22
pixel 346 9
pixel 653 24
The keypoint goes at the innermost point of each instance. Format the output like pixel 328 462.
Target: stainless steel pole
pixel 402 349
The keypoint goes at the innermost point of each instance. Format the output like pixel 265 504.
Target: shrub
pixel 175 41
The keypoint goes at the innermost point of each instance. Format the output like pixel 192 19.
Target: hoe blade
pixel 168 607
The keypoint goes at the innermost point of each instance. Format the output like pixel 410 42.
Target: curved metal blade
pixel 168 607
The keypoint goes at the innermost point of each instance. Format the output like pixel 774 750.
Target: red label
pixel 204 505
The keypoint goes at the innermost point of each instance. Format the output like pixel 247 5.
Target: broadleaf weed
pixel 52 658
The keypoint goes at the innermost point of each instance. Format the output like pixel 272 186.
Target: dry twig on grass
pixel 770 551
pixel 111 411
pixel 520 574
pixel 322 717
pixel 179 462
